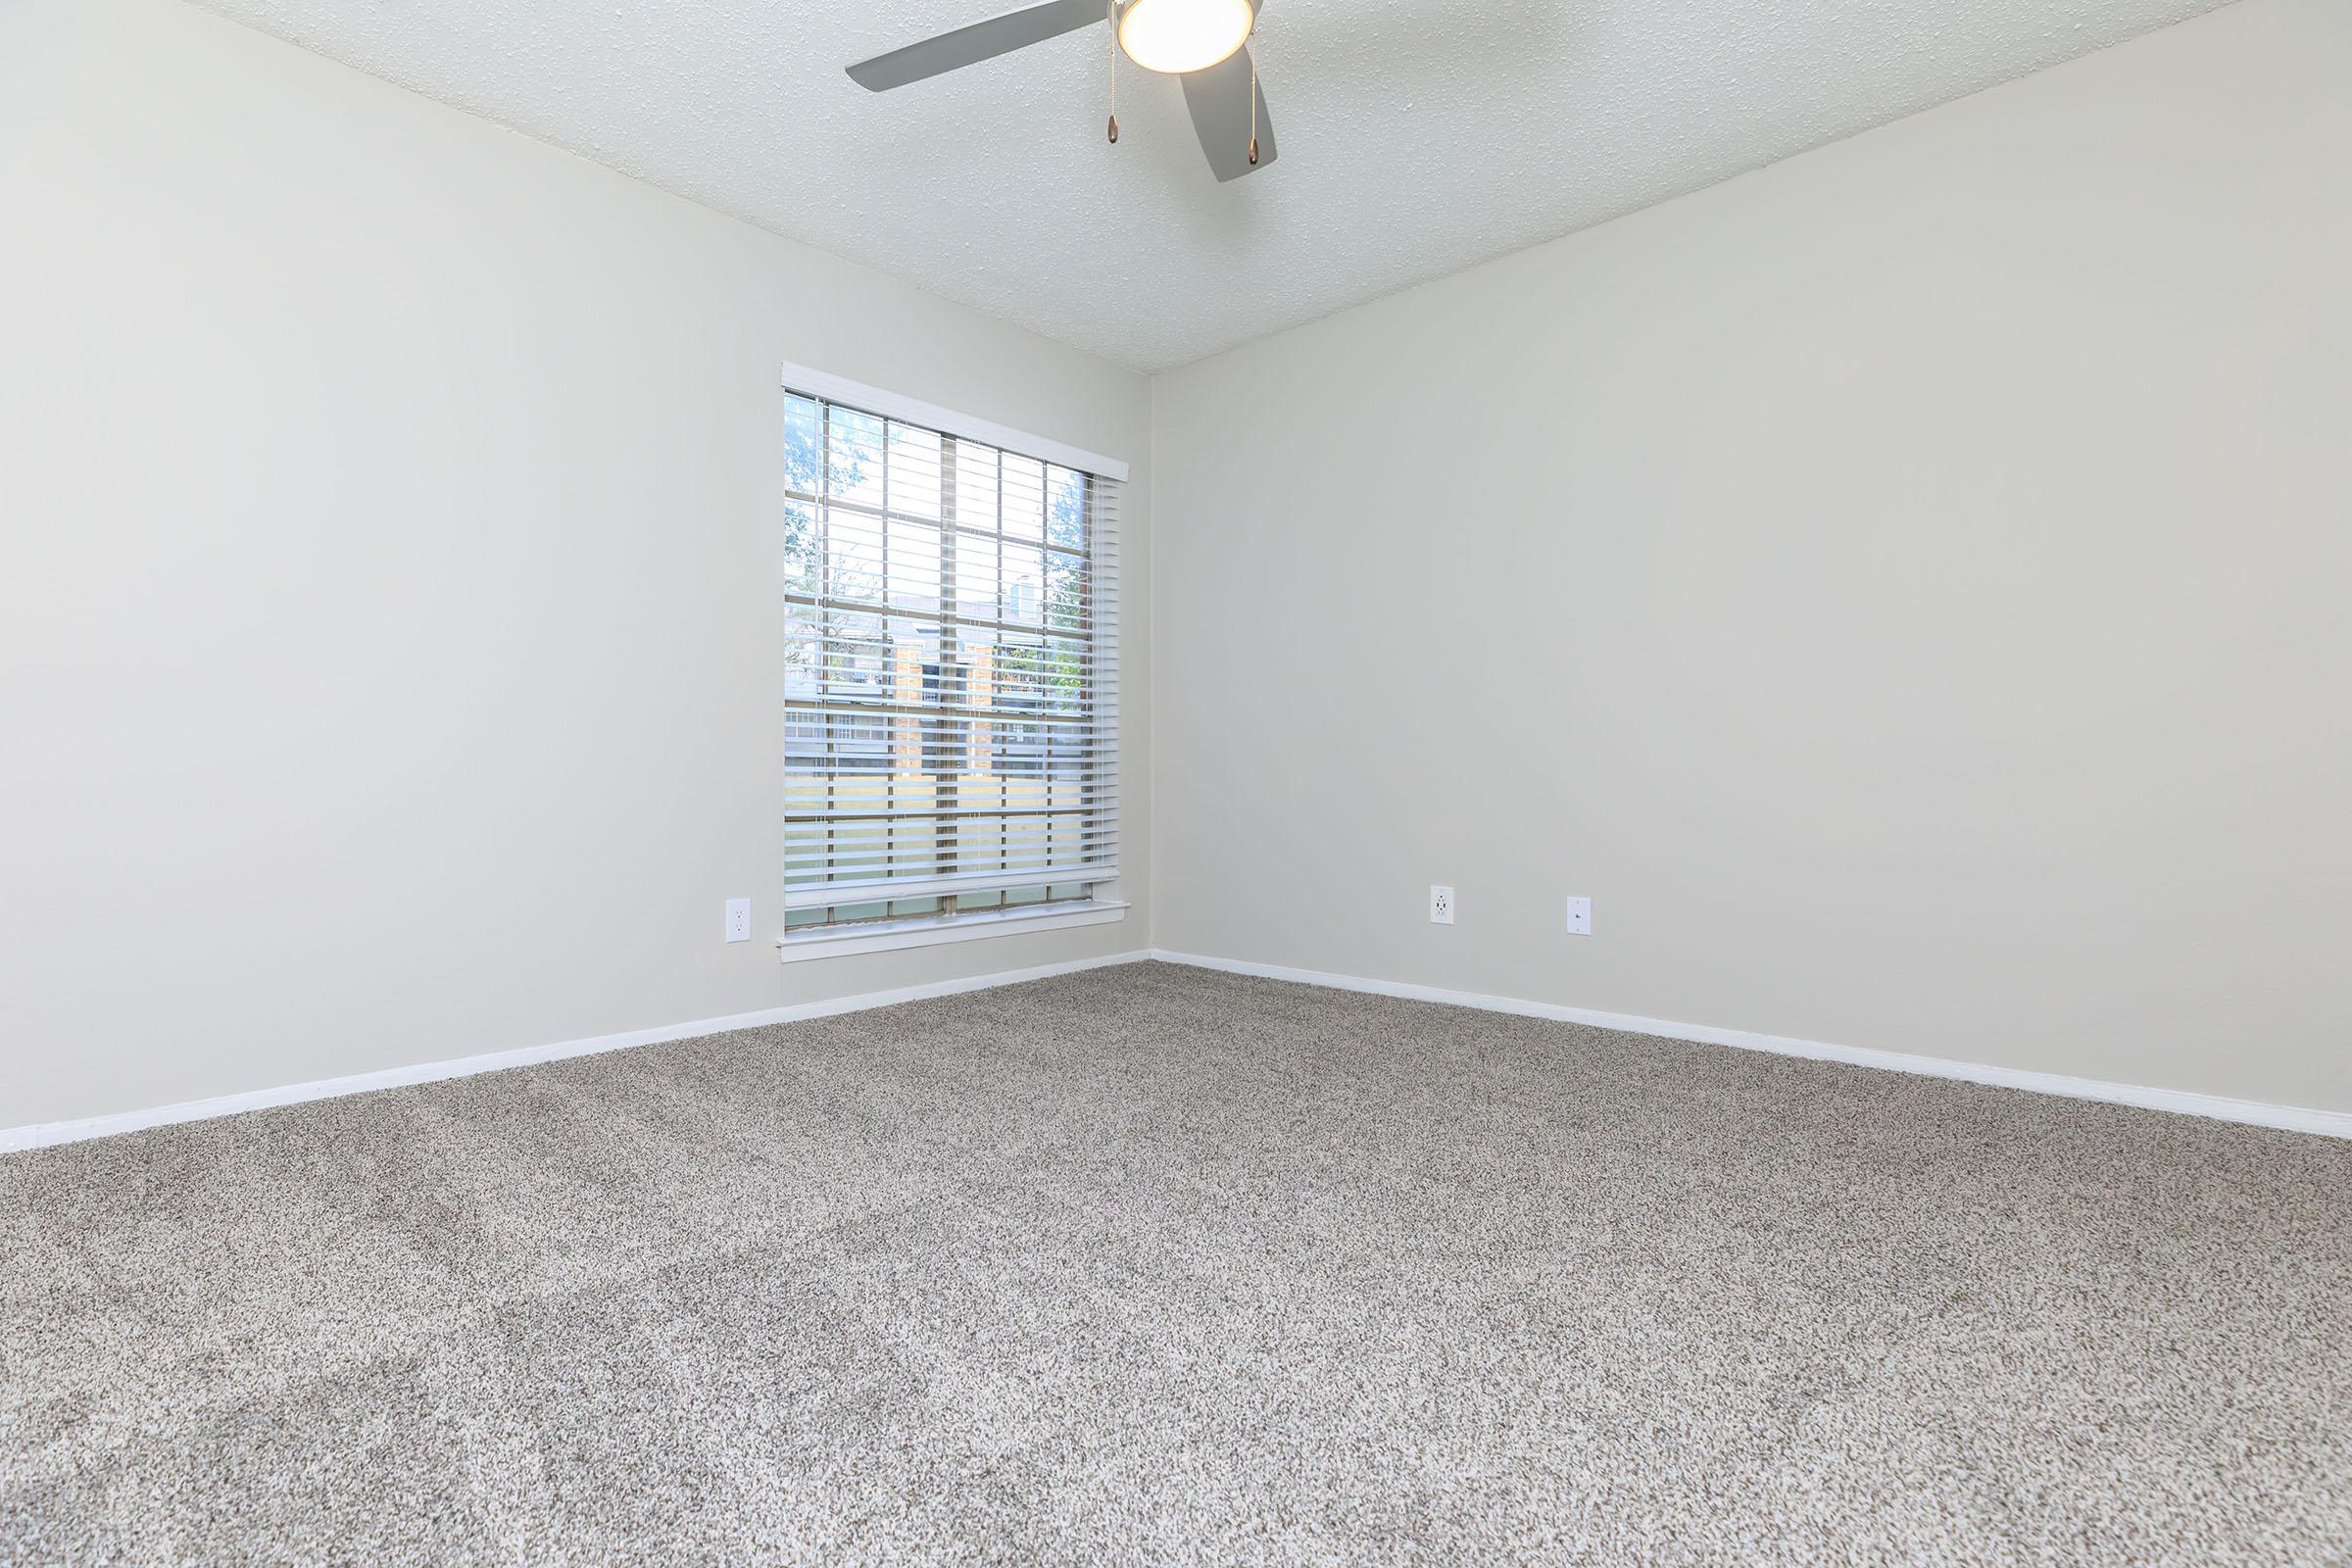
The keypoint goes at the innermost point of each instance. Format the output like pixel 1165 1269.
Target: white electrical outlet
pixel 739 919
pixel 1441 905
pixel 1580 917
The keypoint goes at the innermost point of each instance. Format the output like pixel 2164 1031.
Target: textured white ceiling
pixel 1418 136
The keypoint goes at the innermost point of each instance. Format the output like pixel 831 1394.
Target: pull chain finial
pixel 1114 9
pixel 1253 106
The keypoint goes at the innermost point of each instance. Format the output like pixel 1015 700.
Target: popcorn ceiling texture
pixel 1418 137
pixel 1155 1266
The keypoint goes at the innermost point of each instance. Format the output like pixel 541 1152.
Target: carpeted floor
pixel 1149 1266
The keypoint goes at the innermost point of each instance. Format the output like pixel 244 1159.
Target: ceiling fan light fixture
pixel 1176 36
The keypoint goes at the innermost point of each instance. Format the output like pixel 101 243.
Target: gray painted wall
pixel 1901 587
pixel 389 632
pixel 1906 588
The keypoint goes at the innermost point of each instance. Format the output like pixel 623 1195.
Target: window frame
pixel 1099 905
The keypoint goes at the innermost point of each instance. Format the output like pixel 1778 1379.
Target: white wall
pixel 1904 587
pixel 389 636
pixel 1909 588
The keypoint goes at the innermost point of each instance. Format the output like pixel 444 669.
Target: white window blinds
pixel 952 674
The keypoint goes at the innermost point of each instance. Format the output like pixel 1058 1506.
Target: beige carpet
pixel 1155 1266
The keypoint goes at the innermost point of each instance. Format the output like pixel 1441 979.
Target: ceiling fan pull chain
pixel 1113 8
pixel 1252 105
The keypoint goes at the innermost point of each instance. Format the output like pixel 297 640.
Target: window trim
pixel 917 931
pixel 914 411
pixel 923 931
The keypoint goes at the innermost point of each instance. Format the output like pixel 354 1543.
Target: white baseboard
pixel 66 1132
pixel 2289 1118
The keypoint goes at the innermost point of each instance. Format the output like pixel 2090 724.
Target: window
pixel 950 739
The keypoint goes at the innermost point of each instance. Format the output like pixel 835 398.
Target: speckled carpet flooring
pixel 1149 1266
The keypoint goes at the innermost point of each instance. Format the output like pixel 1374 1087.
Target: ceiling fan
pixel 1204 43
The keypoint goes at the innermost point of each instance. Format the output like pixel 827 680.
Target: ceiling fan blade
pixel 1219 99
pixel 982 40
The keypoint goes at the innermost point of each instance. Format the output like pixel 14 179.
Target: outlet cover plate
pixel 739 919
pixel 1580 916
pixel 1441 905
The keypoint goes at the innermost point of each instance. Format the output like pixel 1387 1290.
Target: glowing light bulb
pixel 1175 36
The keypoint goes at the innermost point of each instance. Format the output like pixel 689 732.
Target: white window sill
pixel 883 936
